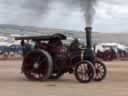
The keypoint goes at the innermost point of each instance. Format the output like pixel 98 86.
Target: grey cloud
pixel 37 6
pixel 26 12
pixel 42 12
pixel 115 2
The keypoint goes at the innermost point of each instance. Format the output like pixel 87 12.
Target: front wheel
pixel 101 71
pixel 85 72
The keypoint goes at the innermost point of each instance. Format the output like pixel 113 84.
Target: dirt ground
pixel 13 82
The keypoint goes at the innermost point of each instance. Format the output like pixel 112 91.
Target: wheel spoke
pixel 42 61
pixel 79 70
pixel 97 75
pixel 98 66
pixel 100 75
pixel 86 76
pixel 102 70
pixel 85 67
pixel 38 59
pixel 81 67
pixel 82 76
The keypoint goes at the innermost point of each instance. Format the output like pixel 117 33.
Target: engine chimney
pixel 88 31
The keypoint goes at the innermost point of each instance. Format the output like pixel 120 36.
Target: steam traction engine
pixel 49 58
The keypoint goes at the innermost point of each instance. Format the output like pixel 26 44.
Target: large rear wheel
pixel 37 65
pixel 85 72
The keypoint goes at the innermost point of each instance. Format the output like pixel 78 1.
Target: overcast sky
pixel 111 15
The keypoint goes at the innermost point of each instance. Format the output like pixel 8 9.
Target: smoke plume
pixel 88 9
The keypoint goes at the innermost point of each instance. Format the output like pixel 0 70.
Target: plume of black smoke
pixel 88 9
